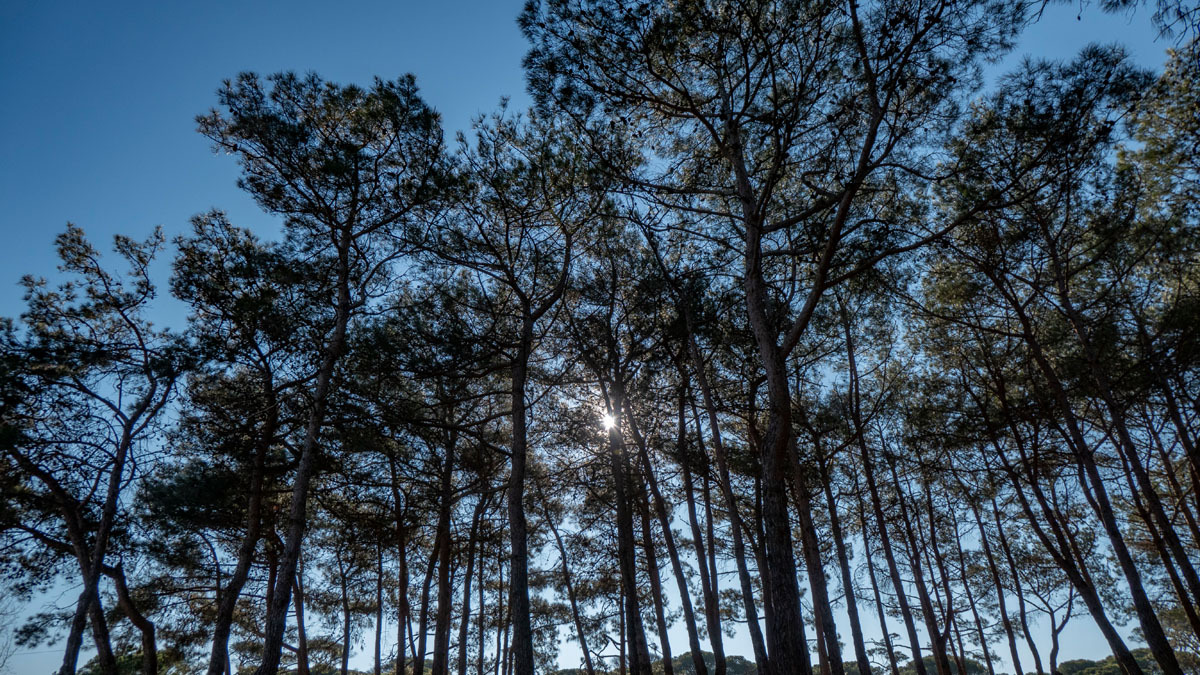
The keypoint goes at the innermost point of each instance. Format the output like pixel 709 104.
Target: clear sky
pixel 99 99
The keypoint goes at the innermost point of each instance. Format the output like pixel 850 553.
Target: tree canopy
pixel 768 320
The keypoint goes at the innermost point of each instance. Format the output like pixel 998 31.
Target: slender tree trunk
pixel 714 575
pixel 441 626
pixel 502 611
pixel 1186 438
pixel 272 555
pixel 933 549
pixel 465 624
pixel 868 470
pixel 994 570
pixel 822 655
pixel 639 652
pixel 938 638
pixel 1058 546
pixel 711 609
pixel 811 548
pixel 664 522
pixel 1126 447
pixel 1056 630
pixel 479 669
pixel 301 633
pixel 1184 502
pixel 839 543
pixel 966 583
pixel 1173 574
pixel 656 594
pixel 1015 572
pixel 91 561
pixel 404 612
pixel 623 635
pixel 518 529
pixel 572 598
pixel 507 652
pixel 423 615
pixel 379 611
pixel 885 544
pixel 298 510
pixel 139 620
pixel 739 547
pixel 1152 630
pixel 343 574
pixel 219 659
pixel 870 562
pixel 101 637
pixel 75 636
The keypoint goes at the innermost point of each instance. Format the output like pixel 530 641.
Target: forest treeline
pixel 769 318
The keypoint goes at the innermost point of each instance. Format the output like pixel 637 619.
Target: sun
pixel 608 421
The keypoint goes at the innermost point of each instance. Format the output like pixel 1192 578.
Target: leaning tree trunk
pixel 656 594
pixel 639 654
pixel 885 543
pixel 870 561
pixel 664 521
pixel 735 524
pixel 298 511
pixel 1152 630
pixel 219 658
pixel 465 624
pixel 571 597
pixel 139 620
pixel 994 570
pixel 835 525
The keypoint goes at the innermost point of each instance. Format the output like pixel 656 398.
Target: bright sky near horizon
pixel 97 120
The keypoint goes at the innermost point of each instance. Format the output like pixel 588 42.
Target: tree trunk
pixel 139 620
pixel 379 611
pixel 298 510
pixel 937 637
pixel 343 574
pixel 868 470
pixel 571 597
pixel 1060 548
pixel 811 548
pixel 403 610
pixel 518 529
pixel 100 636
pixel 664 521
pixel 301 634
pixel 91 562
pixel 712 616
pixel 441 625
pixel 906 612
pixel 423 615
pixel 639 655
pixel 739 547
pixel 480 506
pixel 879 611
pixel 482 635
pixel 227 606
pixel 860 645
pixel 656 594
pixel 1152 630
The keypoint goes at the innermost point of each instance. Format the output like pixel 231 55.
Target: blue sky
pixel 96 121
pixel 97 116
